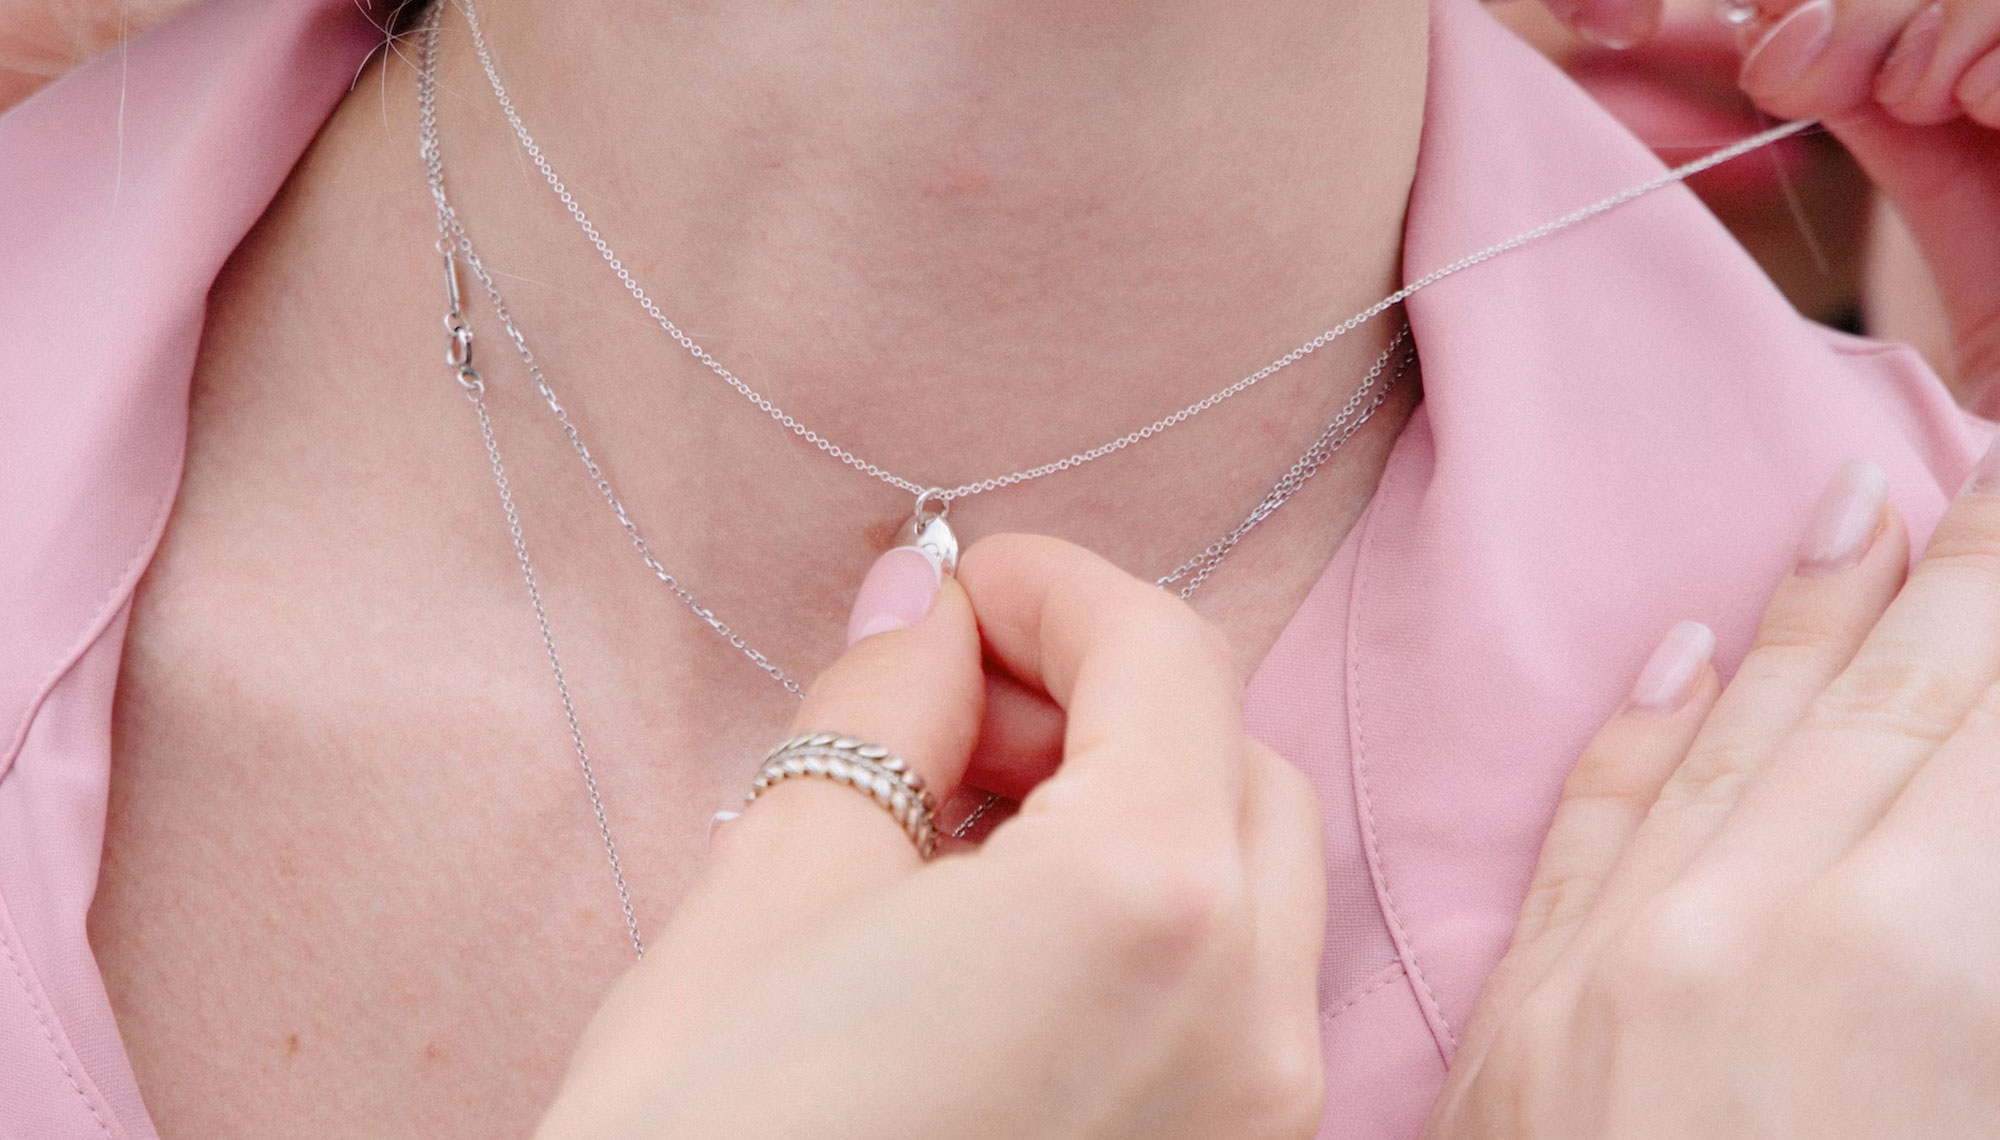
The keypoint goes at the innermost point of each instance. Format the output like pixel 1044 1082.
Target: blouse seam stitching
pixel 1443 1036
pixel 45 1020
pixel 113 600
pixel 1382 978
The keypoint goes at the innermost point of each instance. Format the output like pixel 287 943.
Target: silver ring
pixel 867 768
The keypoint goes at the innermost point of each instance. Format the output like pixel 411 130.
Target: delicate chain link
pixel 475 391
pixel 460 355
pixel 454 237
pixel 1345 423
pixel 966 490
pixel 453 241
pixel 764 403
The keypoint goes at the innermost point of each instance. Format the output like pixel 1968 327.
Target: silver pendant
pixel 931 534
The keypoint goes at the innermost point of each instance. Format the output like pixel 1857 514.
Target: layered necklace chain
pixel 455 245
pixel 925 492
pixel 932 501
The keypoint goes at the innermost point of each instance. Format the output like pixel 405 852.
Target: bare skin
pixel 350 884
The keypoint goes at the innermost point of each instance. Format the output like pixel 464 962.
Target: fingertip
pixel 1781 54
pixel 1847 519
pixel 1675 672
pixel 1978 90
pixel 897 593
pixel 1615 24
pixel 1904 70
pixel 917 689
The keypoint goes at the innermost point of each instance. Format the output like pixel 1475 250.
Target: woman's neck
pixel 889 210
pixel 959 239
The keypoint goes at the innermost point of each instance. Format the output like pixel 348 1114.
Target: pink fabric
pixel 1623 426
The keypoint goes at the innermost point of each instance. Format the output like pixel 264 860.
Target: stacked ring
pixel 867 768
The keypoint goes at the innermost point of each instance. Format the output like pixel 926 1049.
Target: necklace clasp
pixel 930 533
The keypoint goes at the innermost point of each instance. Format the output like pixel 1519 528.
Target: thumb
pixel 911 683
pixel 808 847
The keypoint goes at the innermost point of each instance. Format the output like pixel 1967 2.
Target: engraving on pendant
pixel 931 534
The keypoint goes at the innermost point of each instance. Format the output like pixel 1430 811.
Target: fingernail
pixel 1910 58
pixel 1845 522
pixel 1617 23
pixel 1789 49
pixel 1736 13
pixel 897 593
pixel 1564 10
pixel 717 821
pixel 1985 478
pixel 1670 674
pixel 1981 81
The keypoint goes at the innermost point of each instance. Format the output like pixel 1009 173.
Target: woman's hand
pixel 1912 89
pixel 1775 911
pixel 1133 955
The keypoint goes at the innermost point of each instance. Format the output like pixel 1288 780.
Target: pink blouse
pixel 1623 426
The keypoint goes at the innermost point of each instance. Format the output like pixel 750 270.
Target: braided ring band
pixel 867 768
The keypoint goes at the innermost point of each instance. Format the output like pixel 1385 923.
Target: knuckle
pixel 1162 910
pixel 1796 632
pixel 1863 919
pixel 1155 609
pixel 1557 901
pixel 1967 542
pixel 1608 773
pixel 1896 697
pixel 1283 1098
pixel 1166 625
pixel 1679 948
pixel 1713 777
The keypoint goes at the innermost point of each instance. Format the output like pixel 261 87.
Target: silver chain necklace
pixel 454 243
pixel 931 501
pixel 942 496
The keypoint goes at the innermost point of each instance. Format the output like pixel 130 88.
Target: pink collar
pixel 1623 427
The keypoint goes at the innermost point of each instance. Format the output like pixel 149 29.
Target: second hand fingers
pixel 1821 58
pixel 1915 677
pixel 1919 81
pixel 1850 563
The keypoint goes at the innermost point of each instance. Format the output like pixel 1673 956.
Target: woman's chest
pixel 353 883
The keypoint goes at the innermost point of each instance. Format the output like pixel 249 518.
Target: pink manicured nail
pixel 1789 49
pixel 897 593
pixel 1911 57
pixel 1985 478
pixel 1617 23
pixel 1981 82
pixel 1844 524
pixel 1669 677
